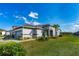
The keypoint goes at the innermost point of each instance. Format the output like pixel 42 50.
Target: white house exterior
pixel 3 32
pixel 7 33
pixel 58 32
pixel 29 31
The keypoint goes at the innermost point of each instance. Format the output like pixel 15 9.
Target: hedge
pixel 11 49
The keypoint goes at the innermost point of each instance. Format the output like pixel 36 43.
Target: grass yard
pixel 68 45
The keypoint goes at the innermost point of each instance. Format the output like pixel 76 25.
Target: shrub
pixel 42 38
pixel 7 37
pixel 19 38
pixel 11 49
pixel 60 35
pixel 26 38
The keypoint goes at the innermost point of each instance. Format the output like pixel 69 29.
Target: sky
pixel 17 14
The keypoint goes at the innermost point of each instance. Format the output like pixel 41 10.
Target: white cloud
pixel 71 27
pixel 27 21
pixel 22 18
pixel 33 15
pixel 75 26
pixel 36 23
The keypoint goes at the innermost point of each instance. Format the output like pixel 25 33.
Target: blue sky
pixel 66 15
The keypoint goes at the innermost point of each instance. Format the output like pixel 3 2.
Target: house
pixel 2 32
pixel 76 33
pixel 33 31
pixel 7 33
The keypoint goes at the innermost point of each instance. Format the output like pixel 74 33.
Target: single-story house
pixel 2 32
pixel 76 33
pixel 33 31
pixel 7 33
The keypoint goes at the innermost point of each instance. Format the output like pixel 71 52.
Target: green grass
pixel 67 45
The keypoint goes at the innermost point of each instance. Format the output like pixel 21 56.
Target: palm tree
pixel 56 26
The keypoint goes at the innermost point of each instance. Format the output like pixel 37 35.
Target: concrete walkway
pixel 16 40
pixel 27 40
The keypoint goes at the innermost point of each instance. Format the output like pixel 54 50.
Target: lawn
pixel 67 45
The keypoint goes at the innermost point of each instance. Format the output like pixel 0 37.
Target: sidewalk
pixel 16 40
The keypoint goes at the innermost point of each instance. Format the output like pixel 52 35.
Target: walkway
pixel 16 40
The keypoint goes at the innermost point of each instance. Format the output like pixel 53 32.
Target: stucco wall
pixel 27 33
pixel 39 33
pixel 3 32
pixel 51 28
pixel 7 33
pixel 17 33
pixel 58 32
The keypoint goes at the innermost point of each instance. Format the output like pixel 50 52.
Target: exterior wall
pixel 58 32
pixel 3 32
pixel 53 29
pixel 30 33
pixel 27 33
pixel 39 33
pixel 55 33
pixel 17 33
pixel 7 33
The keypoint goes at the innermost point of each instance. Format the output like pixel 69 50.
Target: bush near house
pixel 42 38
pixel 11 49
pixel 7 37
